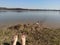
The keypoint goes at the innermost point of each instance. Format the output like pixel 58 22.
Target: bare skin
pixel 23 38
pixel 15 39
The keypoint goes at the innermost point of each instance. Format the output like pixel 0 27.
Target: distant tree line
pixel 4 8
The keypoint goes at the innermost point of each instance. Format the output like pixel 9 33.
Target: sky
pixel 33 4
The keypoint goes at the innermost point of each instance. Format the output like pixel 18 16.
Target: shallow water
pixel 48 18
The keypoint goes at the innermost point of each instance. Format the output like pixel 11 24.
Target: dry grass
pixel 35 35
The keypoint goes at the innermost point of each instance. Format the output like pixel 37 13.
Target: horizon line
pixel 32 8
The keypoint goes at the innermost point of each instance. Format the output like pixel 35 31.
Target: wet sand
pixel 5 25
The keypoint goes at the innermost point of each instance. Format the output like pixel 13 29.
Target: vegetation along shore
pixel 36 34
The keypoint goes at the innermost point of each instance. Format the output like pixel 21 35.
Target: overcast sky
pixel 44 4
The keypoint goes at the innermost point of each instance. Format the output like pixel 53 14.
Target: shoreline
pixel 45 25
pixel 26 9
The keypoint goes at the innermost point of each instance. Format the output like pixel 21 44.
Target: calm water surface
pixel 49 18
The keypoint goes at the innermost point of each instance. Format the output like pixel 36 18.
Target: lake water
pixel 48 18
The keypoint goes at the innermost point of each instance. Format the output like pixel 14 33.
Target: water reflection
pixel 48 17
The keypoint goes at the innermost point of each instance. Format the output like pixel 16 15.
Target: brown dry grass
pixel 35 35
